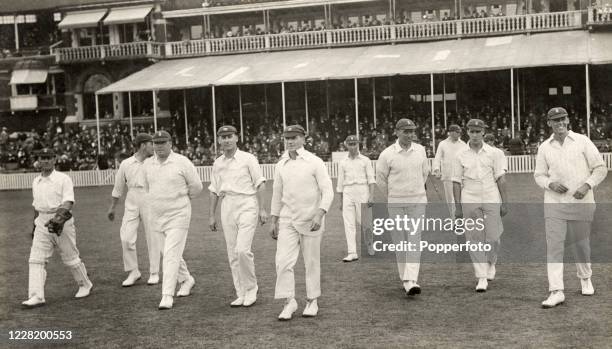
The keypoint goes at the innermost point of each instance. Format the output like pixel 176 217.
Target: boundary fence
pixel 15 181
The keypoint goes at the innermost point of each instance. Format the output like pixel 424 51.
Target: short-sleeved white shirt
pixel 51 191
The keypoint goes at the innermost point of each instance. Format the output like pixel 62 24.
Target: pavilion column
pixel 131 116
pixel 98 123
pixel 433 125
pixel 154 110
pixel 283 102
pixel 356 108
pixel 185 116
pixel 214 115
pixel 588 99
pixel 306 105
pixel 512 99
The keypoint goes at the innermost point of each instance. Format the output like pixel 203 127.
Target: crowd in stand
pixel 344 22
pixel 77 146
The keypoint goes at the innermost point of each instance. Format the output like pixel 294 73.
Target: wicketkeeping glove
pixel 56 224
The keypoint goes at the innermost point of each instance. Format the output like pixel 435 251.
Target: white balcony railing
pixel 600 15
pixel 27 102
pixel 381 34
pixel 480 26
pixel 296 40
pixel 238 44
pixel 362 35
pixel 115 51
pixel 426 30
pixel 437 30
pixel 556 20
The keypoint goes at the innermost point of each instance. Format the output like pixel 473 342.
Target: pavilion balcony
pixel 130 50
pixel 434 30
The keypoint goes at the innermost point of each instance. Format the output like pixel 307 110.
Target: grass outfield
pixel 363 304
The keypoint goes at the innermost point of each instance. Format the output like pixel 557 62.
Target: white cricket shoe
pixel 153 279
pixel 311 309
pixel 491 272
pixel 166 302
pixel 587 287
pixel 251 297
pixel 290 308
pixel 238 302
pixel 412 288
pixel 84 290
pixel 555 298
pixel 33 302
pixel 132 278
pixel 186 287
pixel 350 258
pixel 482 285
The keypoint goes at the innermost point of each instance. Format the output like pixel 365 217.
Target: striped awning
pixel 82 19
pixel 132 14
pixel 28 76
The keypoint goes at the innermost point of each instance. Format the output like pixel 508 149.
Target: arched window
pixel 94 83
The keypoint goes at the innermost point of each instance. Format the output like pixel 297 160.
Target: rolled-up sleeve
pixel 67 190
pixel 382 173
pixel 119 182
pixel 540 174
pixel 457 175
pixel 325 185
pixel 340 184
pixel 213 187
pixel 277 192
pixel 370 171
pixel 257 176
pixel 437 161
pixel 595 163
pixel 194 184
pixel 425 166
pixel 500 164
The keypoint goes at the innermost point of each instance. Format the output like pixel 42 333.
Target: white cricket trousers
pixel 489 213
pixel 43 245
pixel 408 263
pixel 136 211
pixel 449 196
pixel 288 246
pixel 174 266
pixel 556 233
pixel 239 214
pixel 352 198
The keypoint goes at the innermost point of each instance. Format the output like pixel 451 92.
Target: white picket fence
pixel 516 164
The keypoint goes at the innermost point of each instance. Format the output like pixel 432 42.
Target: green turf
pixel 363 304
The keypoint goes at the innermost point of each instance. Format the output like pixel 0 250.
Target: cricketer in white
pixel 568 167
pixel 136 211
pixel 171 182
pixel 237 179
pixel 52 191
pixel 302 195
pixel 401 173
pixel 442 165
